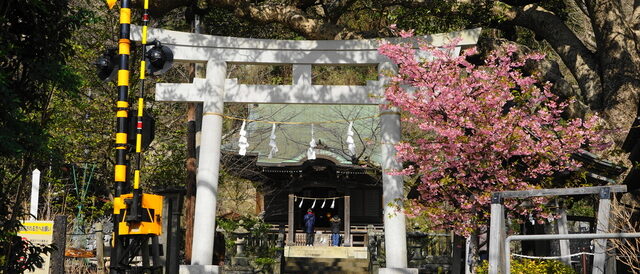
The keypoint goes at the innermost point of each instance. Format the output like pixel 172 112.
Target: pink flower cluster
pixel 472 130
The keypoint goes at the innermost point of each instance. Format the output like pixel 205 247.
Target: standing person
pixel 309 223
pixel 335 230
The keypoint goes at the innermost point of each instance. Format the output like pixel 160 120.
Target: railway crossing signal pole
pixel 136 215
pixel 122 125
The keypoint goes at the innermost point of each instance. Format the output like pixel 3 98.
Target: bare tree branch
pixel 582 6
pixel 335 9
pixel 267 12
pixel 548 69
pixel 575 55
pixel 624 218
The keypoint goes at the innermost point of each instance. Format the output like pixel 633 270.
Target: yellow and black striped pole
pixel 122 123
pixel 122 105
pixel 139 125
pixel 134 224
pixel 135 210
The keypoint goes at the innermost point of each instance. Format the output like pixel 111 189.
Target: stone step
pixel 329 261
pixel 326 272
pixel 326 252
pixel 333 267
pixel 326 265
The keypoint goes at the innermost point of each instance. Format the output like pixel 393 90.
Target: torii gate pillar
pixel 395 236
pixel 395 229
pixel 208 170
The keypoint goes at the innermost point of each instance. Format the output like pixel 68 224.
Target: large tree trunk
pixel 619 61
pixel 572 51
pixel 192 153
pixel 609 77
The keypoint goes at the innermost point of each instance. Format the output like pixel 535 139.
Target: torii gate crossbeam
pixel 215 90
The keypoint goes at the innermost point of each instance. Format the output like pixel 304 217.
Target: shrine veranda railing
pixel 430 252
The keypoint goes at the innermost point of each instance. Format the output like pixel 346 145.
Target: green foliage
pixel 583 206
pixel 25 255
pixel 261 255
pixel 526 266
pixel 343 75
pixel 262 74
pixel 33 49
pixel 441 16
pixel 265 261
pixel 224 22
pixel 16 254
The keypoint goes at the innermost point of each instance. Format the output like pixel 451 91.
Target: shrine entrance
pixel 353 193
pixel 214 90
pixel 322 207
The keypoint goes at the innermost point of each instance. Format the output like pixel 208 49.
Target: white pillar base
pixel 199 269
pixel 396 270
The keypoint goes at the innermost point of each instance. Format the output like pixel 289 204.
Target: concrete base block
pixel 398 271
pixel 199 269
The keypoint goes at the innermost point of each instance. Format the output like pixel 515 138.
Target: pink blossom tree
pixel 476 129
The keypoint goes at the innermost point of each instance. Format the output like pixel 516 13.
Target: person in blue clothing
pixel 309 224
pixel 335 230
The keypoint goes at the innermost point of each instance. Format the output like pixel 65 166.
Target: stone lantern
pixel 240 262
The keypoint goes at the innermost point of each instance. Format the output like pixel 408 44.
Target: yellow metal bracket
pixel 151 203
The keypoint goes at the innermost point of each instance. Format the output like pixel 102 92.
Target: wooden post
pixel 35 194
pixel 194 122
pixel 59 240
pixel 166 227
pixel 563 229
pixel 280 253
pixel 496 236
pixel 290 233
pixel 171 236
pixel 144 246
pixel 155 251
pixel 458 243
pixel 99 247
pixel 600 246
pixel 347 220
pixel 611 263
pixel 259 202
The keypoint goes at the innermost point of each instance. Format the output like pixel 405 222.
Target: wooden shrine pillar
pixel 347 221
pixel 291 229
pixel 259 202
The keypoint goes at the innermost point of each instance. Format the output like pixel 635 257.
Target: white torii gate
pixel 215 90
